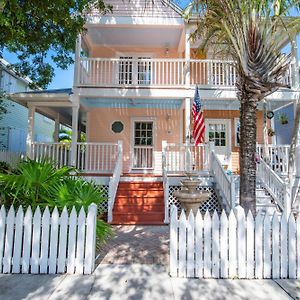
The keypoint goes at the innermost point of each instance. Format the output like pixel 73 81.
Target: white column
pixel 187 56
pixel 75 110
pixel 77 61
pixel 56 129
pixel 30 131
pixel 295 73
pixel 187 119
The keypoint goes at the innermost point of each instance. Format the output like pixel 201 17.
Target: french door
pixel 218 131
pixel 134 70
pixel 143 145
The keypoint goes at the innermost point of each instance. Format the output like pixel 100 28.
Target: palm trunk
pixel 248 154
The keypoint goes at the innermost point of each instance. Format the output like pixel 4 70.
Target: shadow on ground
pixel 136 245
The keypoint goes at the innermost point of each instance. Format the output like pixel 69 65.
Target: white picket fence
pixel 234 246
pixel 47 243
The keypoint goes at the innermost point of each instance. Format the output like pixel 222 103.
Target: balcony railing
pixel 107 72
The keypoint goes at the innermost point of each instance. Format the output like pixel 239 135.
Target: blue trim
pixel 132 103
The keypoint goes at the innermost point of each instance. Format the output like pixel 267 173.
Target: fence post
pixel 165 181
pixel 90 242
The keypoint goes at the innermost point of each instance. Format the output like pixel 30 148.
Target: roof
pixel 6 66
pixel 51 91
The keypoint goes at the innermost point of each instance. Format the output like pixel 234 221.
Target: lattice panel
pixel 211 204
pixel 103 207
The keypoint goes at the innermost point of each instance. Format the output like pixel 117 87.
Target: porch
pixel 106 160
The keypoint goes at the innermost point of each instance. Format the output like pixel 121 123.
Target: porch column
pixel 30 131
pixel 187 55
pixel 187 112
pixel 77 61
pixel 295 73
pixel 188 158
pixel 75 110
pixel 56 129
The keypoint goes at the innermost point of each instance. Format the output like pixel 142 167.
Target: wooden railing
pixel 114 181
pixel 57 152
pixel 180 158
pixel 11 158
pixel 224 183
pixel 274 185
pixel 91 157
pixel 159 72
pixel 276 156
pixel 96 157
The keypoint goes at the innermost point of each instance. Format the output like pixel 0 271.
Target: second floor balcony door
pixel 134 70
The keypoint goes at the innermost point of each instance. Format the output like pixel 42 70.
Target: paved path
pixel 137 244
pixel 145 282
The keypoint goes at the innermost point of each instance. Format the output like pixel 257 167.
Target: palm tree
pixel 253 33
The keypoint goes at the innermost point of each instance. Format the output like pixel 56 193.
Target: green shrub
pixel 5 167
pixel 42 184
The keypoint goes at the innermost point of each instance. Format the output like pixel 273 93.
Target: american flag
pixel 199 126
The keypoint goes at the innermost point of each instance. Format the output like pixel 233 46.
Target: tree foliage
pixel 35 30
pixel 252 33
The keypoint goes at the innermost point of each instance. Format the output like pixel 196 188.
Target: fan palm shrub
pixel 253 34
pixel 43 184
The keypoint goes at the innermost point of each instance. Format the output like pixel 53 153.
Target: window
pixel 143 134
pixel 217 134
pixel 117 127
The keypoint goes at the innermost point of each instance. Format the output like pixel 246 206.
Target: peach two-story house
pixel 134 82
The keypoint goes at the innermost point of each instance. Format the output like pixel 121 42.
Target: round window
pixel 117 127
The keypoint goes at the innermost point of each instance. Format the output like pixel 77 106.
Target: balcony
pixel 127 72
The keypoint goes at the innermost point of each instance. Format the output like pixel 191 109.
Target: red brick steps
pixel 139 203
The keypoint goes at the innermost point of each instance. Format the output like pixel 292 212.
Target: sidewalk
pixel 137 281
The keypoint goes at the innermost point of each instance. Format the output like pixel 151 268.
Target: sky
pixel 64 78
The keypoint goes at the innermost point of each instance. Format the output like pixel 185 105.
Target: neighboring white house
pixel 13 125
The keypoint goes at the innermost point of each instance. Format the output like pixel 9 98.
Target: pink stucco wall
pixel 167 126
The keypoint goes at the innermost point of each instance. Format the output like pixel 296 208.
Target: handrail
pixel 114 182
pixel 277 157
pixel 225 183
pixel 165 182
pixel 274 185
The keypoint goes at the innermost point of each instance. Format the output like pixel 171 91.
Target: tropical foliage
pixel 42 184
pixel 43 32
pixel 252 33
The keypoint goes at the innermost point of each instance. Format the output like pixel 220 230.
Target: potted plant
pixel 283 119
pixel 271 132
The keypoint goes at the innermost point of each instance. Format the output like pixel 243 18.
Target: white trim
pixel 227 122
pixel 236 120
pixel 154 128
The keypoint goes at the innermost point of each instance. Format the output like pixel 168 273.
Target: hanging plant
pixel 283 119
pixel 270 114
pixel 271 132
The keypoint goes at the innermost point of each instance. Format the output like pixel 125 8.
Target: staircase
pixel 139 202
pixel 264 201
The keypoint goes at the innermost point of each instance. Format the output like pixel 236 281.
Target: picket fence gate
pixel 47 243
pixel 234 246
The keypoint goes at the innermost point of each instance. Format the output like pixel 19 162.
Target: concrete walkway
pixel 136 281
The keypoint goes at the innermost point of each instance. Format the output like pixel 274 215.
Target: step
pixel 139 218
pixel 158 208
pixel 140 193
pixel 140 185
pixel 123 200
